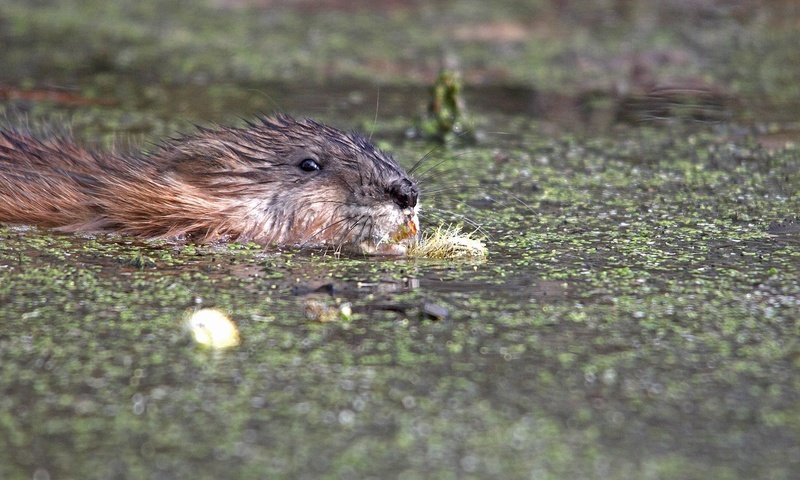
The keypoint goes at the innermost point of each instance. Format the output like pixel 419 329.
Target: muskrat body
pixel 277 181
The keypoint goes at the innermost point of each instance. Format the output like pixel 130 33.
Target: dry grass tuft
pixel 448 242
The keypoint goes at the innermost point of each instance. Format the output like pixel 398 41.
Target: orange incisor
pixel 407 230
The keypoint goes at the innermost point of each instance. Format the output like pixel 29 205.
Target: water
pixel 636 317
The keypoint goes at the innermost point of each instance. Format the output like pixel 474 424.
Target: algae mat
pixel 637 316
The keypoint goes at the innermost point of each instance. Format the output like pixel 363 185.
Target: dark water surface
pixel 635 177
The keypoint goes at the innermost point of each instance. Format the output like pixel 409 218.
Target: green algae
pixel 671 314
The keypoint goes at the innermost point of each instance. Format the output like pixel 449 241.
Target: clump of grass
pixel 448 242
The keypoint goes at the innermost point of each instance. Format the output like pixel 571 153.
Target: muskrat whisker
pixel 347 232
pixel 339 246
pixel 452 187
pixel 337 203
pixel 498 190
pixel 377 109
pixel 422 176
pixel 264 94
pixel 324 229
pixel 439 147
pixel 423 158
pixel 438 213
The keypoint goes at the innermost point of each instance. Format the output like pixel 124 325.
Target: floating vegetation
pixel 446 115
pixel 322 311
pixel 448 242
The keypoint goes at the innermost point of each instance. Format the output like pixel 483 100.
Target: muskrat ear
pixel 193 162
pixel 193 155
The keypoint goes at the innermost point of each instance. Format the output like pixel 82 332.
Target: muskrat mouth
pixel 406 230
pixel 398 240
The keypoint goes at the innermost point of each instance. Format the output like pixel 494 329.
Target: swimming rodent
pixel 276 181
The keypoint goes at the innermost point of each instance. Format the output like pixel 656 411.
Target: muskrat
pixel 276 181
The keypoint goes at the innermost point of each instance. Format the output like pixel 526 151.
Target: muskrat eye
pixel 309 165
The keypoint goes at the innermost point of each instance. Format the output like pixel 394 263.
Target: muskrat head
pixel 283 181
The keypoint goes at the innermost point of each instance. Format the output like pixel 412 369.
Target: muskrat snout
pixel 404 193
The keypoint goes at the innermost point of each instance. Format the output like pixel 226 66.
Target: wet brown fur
pixel 219 184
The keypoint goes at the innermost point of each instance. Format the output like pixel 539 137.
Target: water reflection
pixel 213 328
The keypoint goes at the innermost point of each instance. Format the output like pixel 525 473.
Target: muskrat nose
pixel 404 193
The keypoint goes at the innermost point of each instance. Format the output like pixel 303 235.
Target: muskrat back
pixel 276 181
